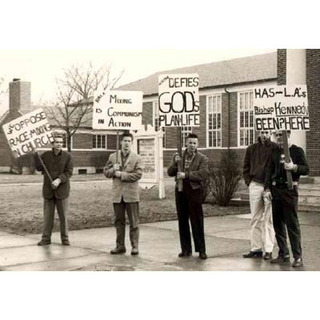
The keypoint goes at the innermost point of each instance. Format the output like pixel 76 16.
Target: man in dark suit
pixel 189 201
pixel 285 200
pixel 57 167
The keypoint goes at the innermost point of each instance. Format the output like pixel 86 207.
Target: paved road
pixel 227 238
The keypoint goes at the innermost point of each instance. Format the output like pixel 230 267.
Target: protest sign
pixel 118 110
pixel 179 104
pixel 28 132
pixel 281 108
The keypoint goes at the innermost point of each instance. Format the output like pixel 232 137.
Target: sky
pixel 42 66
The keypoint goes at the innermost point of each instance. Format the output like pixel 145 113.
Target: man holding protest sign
pixel 189 200
pixel 125 168
pixel 285 198
pixel 254 173
pixel 57 168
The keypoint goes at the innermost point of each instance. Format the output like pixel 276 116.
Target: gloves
pixel 55 184
pixel 291 166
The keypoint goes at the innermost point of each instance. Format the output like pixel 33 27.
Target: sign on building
pixel 28 132
pixel 118 110
pixel 281 108
pixel 179 104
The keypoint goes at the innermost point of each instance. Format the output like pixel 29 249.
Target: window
pixel 214 122
pixel 246 123
pixel 99 141
pixel 64 137
pixel 185 132
pixel 156 122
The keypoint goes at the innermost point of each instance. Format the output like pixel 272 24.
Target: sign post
pixel 179 106
pixel 282 108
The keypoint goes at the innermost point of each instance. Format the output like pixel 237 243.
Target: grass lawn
pixel 90 206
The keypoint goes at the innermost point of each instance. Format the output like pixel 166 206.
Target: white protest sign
pixel 118 110
pixel 28 132
pixel 281 108
pixel 179 104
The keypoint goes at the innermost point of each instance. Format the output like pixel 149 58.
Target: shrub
pixel 224 178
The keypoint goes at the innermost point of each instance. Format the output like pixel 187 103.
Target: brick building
pixel 90 149
pixel 226 114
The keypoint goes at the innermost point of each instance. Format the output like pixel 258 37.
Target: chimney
pixel 19 96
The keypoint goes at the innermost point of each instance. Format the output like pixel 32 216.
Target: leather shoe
pixel 253 254
pixel 203 256
pixel 184 254
pixel 44 243
pixel 267 256
pixel 65 243
pixel 297 263
pixel 118 251
pixel 280 259
pixel 134 251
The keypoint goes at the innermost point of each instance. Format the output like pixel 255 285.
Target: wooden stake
pixel 117 153
pixel 287 158
pixel 44 167
pixel 179 147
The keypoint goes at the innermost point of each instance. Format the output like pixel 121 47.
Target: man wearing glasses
pixel 254 173
pixel 285 201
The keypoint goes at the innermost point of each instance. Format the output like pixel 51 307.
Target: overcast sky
pixel 41 67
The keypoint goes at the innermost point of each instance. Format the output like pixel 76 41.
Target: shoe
pixel 118 251
pixel 65 243
pixel 253 254
pixel 184 254
pixel 297 263
pixel 280 259
pixel 44 243
pixel 267 256
pixel 134 251
pixel 203 256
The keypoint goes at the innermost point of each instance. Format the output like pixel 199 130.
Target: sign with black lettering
pixel 118 110
pixel 28 132
pixel 179 104
pixel 281 108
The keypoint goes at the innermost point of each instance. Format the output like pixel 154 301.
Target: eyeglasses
pixel 278 134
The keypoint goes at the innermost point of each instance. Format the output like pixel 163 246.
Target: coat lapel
pixel 128 159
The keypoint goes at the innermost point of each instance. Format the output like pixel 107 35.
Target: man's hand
pixel 267 195
pixel 176 158
pixel 55 184
pixel 117 174
pixel 116 167
pixel 181 175
pixel 291 166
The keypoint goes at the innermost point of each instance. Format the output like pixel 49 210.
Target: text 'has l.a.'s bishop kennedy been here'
pixel 281 108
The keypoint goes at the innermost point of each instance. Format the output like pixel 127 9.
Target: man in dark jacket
pixel 254 173
pixel 285 201
pixel 57 167
pixel 189 201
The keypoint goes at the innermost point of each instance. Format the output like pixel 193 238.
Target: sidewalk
pixel 227 238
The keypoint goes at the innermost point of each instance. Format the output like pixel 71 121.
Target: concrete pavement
pixel 227 238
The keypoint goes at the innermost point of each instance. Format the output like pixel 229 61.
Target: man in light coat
pixel 125 168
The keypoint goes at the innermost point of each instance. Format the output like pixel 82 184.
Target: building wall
pixel 313 136
pixel 313 85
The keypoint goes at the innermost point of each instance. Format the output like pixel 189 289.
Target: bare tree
pixel 75 91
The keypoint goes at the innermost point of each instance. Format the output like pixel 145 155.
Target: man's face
pixel 279 137
pixel 264 135
pixel 57 144
pixel 192 144
pixel 126 144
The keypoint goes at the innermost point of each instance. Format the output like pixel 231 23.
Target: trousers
pixel 262 234
pixel 189 206
pixel 132 210
pixel 285 216
pixel 48 212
